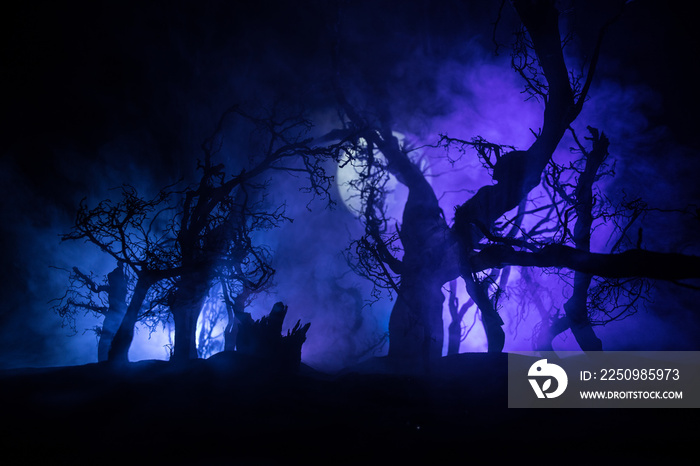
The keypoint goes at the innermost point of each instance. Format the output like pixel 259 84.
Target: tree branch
pixel 631 263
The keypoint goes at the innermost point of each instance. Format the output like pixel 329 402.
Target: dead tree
pixel 182 241
pixel 434 253
pixel 263 339
pixel 134 232
pixel 108 300
pixel 590 294
pixel 214 213
pixel 457 313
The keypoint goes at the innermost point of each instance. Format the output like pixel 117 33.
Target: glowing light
pixel 350 169
pixel 151 344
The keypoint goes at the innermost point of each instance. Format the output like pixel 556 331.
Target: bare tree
pixel 108 300
pixel 135 232
pixel 424 252
pixel 212 230
pixel 183 241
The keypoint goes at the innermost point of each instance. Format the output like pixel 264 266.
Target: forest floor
pixel 230 411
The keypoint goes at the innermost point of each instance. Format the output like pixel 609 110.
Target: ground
pixel 230 410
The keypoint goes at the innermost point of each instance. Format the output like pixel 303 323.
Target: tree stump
pixel 264 339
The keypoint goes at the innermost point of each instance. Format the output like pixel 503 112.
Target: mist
pixel 129 95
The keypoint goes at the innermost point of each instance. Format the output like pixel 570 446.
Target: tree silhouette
pixel 422 254
pixel 212 232
pixel 179 244
pixel 108 299
pixel 185 240
pixel 135 232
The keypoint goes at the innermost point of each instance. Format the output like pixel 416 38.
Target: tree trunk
pixel 577 306
pixel 495 336
pixel 191 292
pixel 577 312
pixel 115 313
pixel 119 350
pixel 454 330
pixel 235 311
pixel 415 325
pixel 454 337
pixel 231 331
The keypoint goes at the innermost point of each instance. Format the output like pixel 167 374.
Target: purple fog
pixel 269 232
pixel 129 96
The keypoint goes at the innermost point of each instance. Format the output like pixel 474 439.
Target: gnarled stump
pixel 263 338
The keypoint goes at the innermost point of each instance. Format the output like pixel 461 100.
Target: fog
pixel 126 94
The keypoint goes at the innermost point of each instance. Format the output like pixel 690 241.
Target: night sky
pixel 103 93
